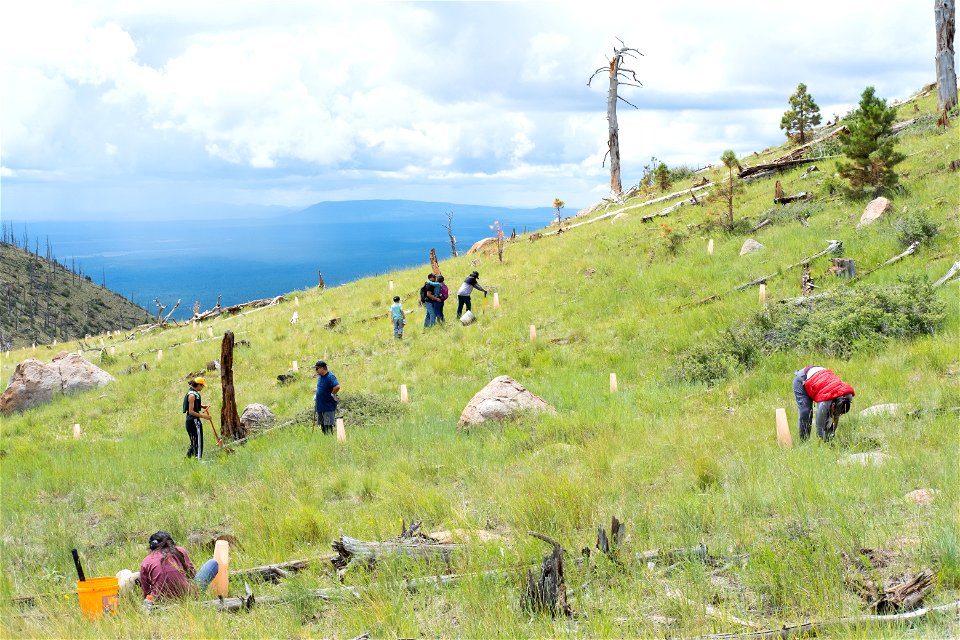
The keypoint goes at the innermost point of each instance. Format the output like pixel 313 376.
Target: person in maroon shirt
pixel 167 571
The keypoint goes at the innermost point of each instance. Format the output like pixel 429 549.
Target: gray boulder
pixel 256 417
pixel 35 383
pixel 502 398
pixel 889 409
pixel 750 246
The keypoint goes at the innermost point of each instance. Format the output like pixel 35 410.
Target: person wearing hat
pixel 463 293
pixel 192 406
pixel 168 572
pixel 325 398
pixel 832 395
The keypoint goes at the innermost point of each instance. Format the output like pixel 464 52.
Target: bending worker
pixel 832 395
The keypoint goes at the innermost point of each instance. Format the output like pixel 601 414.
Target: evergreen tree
pixel 870 146
pixel 661 176
pixel 803 114
pixel 729 159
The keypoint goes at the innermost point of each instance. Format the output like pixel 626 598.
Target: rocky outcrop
pixel 875 210
pixel 486 246
pixel 502 398
pixel 257 416
pixel 35 383
pixel 750 246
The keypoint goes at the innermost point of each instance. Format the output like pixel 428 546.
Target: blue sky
pixel 173 108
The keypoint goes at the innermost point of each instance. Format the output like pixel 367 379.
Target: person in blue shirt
pixel 326 397
pixel 397 315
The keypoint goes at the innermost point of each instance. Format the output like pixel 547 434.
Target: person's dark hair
pixel 439 278
pixel 396 298
pixel 841 405
pixel 320 363
pixel 431 276
pixel 475 274
pixel 163 542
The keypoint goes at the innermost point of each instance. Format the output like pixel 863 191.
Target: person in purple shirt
pixel 168 572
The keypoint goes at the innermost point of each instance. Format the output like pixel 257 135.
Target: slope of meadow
pixel 680 462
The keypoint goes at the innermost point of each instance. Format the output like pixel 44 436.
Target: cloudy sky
pixel 171 107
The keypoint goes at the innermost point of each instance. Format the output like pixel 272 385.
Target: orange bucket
pixel 98 596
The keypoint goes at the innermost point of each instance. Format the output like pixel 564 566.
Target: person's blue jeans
pixel 206 574
pixel 398 327
pixel 438 311
pixel 804 405
pixel 431 318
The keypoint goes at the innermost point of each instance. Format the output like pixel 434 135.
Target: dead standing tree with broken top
pixel 618 75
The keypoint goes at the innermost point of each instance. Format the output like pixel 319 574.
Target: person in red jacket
pixel 167 571
pixel 832 395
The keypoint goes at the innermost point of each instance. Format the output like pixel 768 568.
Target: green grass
pixel 679 462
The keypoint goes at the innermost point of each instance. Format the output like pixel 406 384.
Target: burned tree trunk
pixel 229 418
pixel 321 284
pixel 434 263
pixel 548 592
pixel 806 282
pixel 945 17
pixel 618 75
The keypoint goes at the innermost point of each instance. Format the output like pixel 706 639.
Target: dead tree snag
pixel 229 418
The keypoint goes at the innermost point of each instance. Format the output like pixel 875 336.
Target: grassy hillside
pixel 43 302
pixel 680 462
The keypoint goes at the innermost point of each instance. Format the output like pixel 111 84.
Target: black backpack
pixel 423 293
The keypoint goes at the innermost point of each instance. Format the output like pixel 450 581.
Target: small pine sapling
pixel 802 115
pixel 661 175
pixel 869 146
pixel 558 204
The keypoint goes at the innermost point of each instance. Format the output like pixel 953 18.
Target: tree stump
pixel 548 592
pixel 806 282
pixel 617 532
pixel 321 285
pixel 434 263
pixel 229 418
pixel 777 191
pixel 843 267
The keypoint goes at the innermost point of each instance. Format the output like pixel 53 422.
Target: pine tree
pixel 803 114
pixel 870 146
pixel 729 159
pixel 661 176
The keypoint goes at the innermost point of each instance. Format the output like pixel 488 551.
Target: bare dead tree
pixel 945 17
pixel 618 75
pixel 321 285
pixel 453 238
pixel 230 425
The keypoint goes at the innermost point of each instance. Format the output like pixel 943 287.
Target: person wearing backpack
pixel 463 293
pixel 444 294
pixel 192 406
pixel 429 294
pixel 832 395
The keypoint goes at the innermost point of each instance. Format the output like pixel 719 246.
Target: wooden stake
pixel 533 331
pixel 404 397
pixel 341 431
pixel 76 430
pixel 710 247
pixel 613 383
pixel 496 300
pixel 783 429
pixel 210 331
pixel 763 294
pixel 159 354
pixel 391 285
pixel 294 366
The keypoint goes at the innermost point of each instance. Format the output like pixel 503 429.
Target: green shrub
pixel 915 227
pixel 833 325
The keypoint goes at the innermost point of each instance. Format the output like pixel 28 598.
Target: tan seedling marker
pixel 341 431
pixel 210 331
pixel 783 429
pixel 159 354
pixel 113 350
pixel 221 582
pixel 391 285
pixel 296 300
pixel 404 397
pixel 76 430
pixel 533 332
pixel 710 247
pixel 763 294
pixel 613 383
pixel 294 365
pixel 54 342
pixel 496 300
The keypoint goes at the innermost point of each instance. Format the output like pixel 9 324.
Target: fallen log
pixel 797 153
pixel 671 208
pixel 349 549
pixel 803 195
pixel 274 572
pixel 711 611
pixel 910 250
pixel 760 225
pixel 776 166
pixel 833 246
pixel 952 272
pixel 812 628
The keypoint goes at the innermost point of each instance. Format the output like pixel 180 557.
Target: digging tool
pixel 215 434
pixel 76 562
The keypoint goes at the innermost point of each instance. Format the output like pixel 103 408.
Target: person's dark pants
pixel 430 318
pixel 195 431
pixel 327 420
pixel 462 301
pixel 438 311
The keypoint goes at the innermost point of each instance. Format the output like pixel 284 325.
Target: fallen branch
pixel 952 272
pixel 350 549
pixel 274 572
pixel 761 225
pixel 671 208
pixel 776 166
pixel 799 152
pixel 803 195
pixel 814 627
pixel 833 246
pixel 910 250
pixel 711 611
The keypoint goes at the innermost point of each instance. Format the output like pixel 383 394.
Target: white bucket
pixel 467 318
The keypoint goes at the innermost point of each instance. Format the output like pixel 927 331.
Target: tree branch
pixel 628 102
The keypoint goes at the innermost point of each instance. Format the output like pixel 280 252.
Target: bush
pixel 672 239
pixel 915 227
pixel 834 325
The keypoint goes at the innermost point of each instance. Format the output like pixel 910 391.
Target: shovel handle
pixel 76 562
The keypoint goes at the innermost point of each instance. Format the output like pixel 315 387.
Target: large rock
pixel 889 409
pixel 501 398
pixel 257 416
pixel 874 210
pixel 486 246
pixel 750 246
pixel 35 383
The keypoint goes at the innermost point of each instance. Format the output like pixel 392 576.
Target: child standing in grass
pixel 397 314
